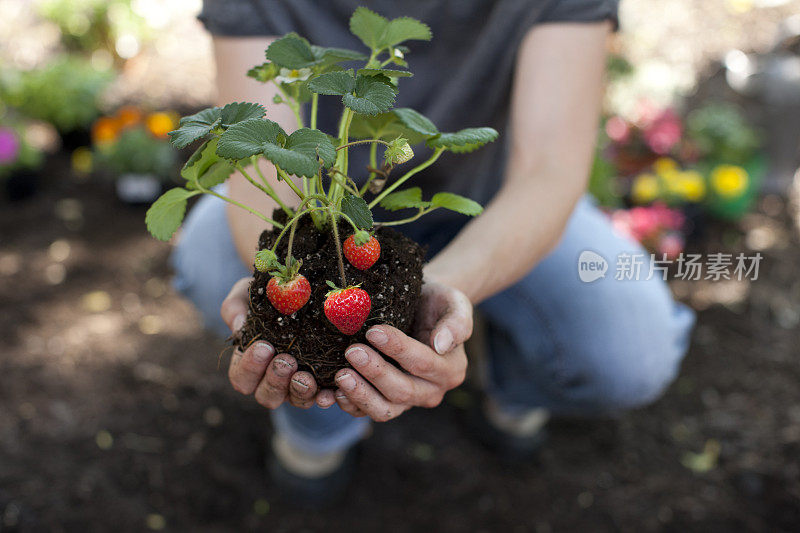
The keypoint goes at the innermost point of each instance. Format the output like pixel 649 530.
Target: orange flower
pixel 105 129
pixel 128 116
pixel 159 124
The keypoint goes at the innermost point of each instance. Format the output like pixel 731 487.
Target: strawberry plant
pixel 301 254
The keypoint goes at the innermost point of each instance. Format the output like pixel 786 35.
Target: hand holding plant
pixel 382 279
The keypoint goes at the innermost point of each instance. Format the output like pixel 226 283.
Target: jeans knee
pixel 631 361
pixel 205 261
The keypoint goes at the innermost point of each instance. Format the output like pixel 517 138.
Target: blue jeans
pixel 554 341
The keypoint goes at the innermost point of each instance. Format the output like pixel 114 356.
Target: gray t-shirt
pixel 461 79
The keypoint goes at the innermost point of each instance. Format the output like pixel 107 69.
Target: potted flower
pixel 325 267
pixel 133 148
pixel 20 162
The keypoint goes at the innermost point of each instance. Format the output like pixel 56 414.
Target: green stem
pixel 422 166
pixel 246 208
pixel 341 157
pixel 349 220
pixel 421 212
pixel 373 162
pixel 338 244
pixel 314 107
pixel 363 141
pixel 292 105
pixel 265 188
pixel 292 185
pixel 289 246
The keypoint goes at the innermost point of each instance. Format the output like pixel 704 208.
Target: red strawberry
pixel 288 296
pixel 362 250
pixel 347 309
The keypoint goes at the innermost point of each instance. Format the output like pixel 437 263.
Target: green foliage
pixel 721 132
pixel 405 199
pixel 467 140
pixel 379 33
pixel 456 203
pixel 89 25
pixel 205 168
pixel 367 95
pixel 291 51
pixel 65 93
pixel 302 71
pixel 200 124
pixel 248 138
pixel 166 214
pixel 357 209
pixel 27 156
pixel 136 151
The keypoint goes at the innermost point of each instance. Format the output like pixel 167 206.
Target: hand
pixel 434 364
pixel 272 379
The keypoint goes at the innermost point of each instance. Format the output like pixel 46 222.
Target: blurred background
pixel 116 410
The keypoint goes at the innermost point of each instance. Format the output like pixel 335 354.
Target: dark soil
pixel 393 284
pixel 120 417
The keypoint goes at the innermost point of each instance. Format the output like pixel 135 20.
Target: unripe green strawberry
pixel 265 260
pixel 347 309
pixel 288 296
pixel 362 250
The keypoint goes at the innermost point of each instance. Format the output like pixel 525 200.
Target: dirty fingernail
pixel 357 356
pixel 262 352
pixel 443 341
pixel 302 387
pixel 346 382
pixel 282 367
pixel 238 322
pixel 377 337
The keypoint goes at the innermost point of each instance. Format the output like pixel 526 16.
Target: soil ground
pixel 117 414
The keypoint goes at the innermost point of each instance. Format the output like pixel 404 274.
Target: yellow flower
pixel 729 180
pixel 690 185
pixel 159 124
pixel 645 188
pixel 665 166
pixel 82 160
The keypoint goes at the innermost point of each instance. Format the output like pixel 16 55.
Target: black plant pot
pixel 70 140
pixel 22 184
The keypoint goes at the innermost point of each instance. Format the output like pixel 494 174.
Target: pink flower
pixel 671 219
pixel 670 244
pixel 9 146
pixel 664 132
pixel 618 130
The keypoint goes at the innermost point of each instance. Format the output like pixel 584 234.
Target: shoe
pixel 515 437
pixel 310 480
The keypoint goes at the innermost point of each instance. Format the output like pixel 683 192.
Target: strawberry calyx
pixel 288 272
pixel 336 290
pixel 265 259
pixel 362 237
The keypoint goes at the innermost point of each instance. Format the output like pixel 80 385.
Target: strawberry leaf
pixel 405 199
pixel 357 209
pixel 463 141
pixel 457 203
pixel 333 83
pixel 371 96
pixel 389 73
pixel 312 143
pixel 327 56
pixel 291 51
pixel 166 214
pixel 368 26
pixel 416 121
pixel 195 127
pixel 206 168
pixel 248 138
pixel 264 72
pixel 240 111
pixel 405 29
